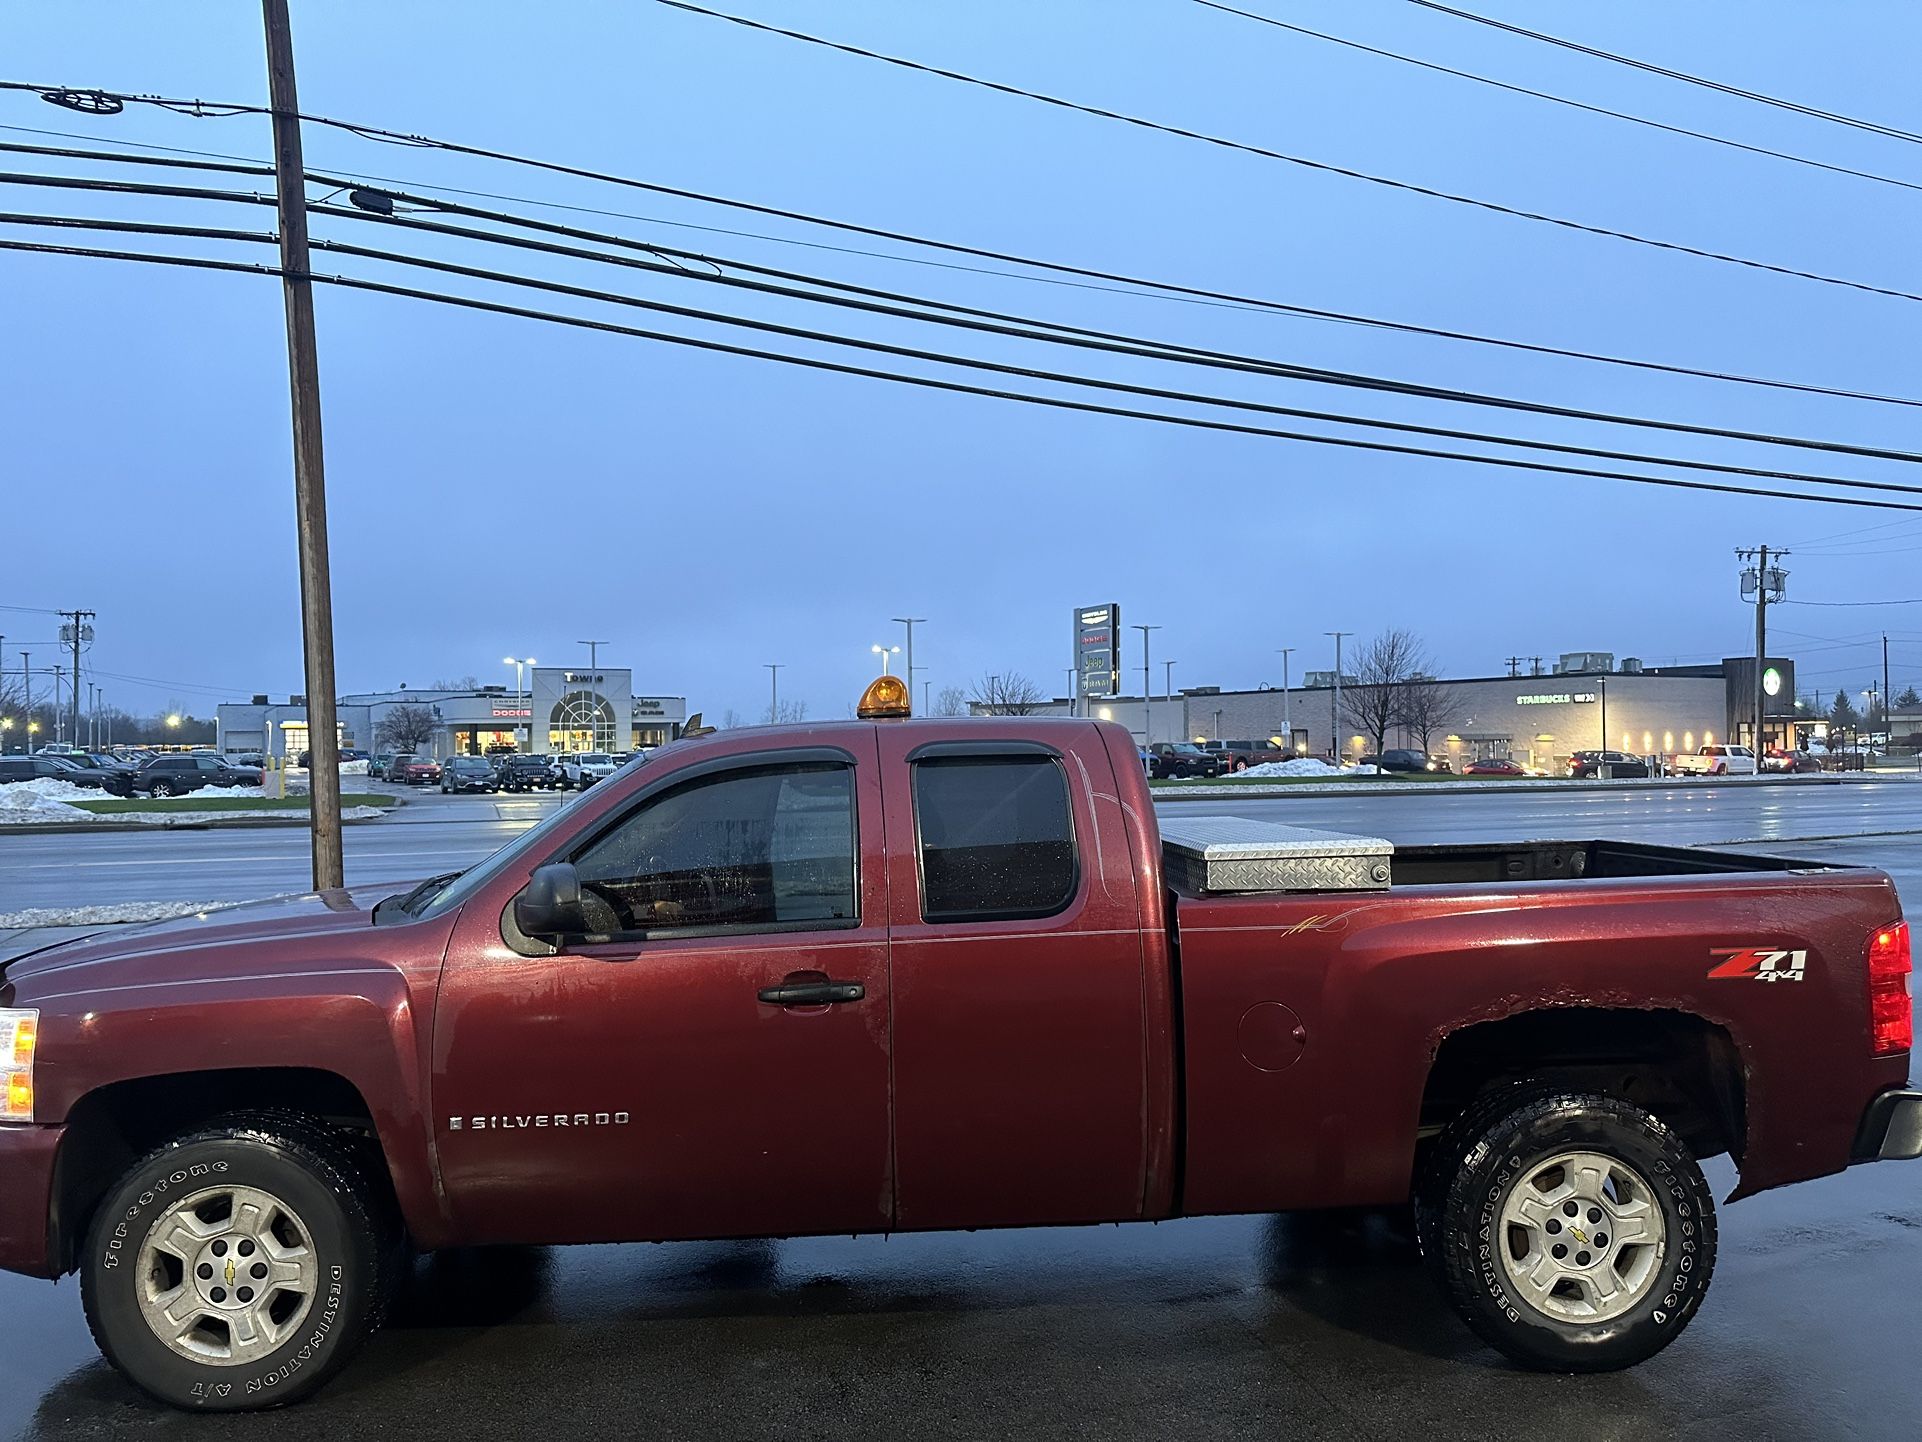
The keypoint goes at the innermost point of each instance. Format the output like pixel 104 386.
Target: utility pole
pixel 773 690
pixel 1334 699
pixel 310 472
pixel 1287 730
pixel 59 720
pixel 1888 730
pixel 1514 667
pixel 77 631
pixel 910 622
pixel 26 700
pixel 1764 583
pixel 1147 688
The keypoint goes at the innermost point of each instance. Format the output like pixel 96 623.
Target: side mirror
pixel 550 905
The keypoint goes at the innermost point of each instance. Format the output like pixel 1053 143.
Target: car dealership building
pixel 562 709
pixel 1586 702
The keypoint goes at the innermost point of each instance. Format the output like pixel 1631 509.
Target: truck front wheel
pixel 238 1266
pixel 1576 1233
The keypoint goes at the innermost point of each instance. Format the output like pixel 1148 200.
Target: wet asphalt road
pixel 1314 1326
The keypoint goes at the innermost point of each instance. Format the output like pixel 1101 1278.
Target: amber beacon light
pixel 885 696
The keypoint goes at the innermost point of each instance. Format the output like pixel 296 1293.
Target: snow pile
pixel 48 789
pixel 124 912
pixel 18 804
pixel 1304 766
pixel 204 792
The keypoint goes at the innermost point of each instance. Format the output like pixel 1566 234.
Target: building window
pixel 581 721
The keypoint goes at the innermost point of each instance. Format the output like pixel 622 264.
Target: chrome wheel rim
pixel 1582 1237
pixel 227 1275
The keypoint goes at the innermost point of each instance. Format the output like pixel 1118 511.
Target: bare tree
pixel 730 720
pixel 1427 707
pixel 951 701
pixel 406 726
pixel 462 683
pixel 1383 668
pixel 1008 693
pixel 787 713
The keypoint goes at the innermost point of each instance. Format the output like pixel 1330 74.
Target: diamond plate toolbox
pixel 1230 853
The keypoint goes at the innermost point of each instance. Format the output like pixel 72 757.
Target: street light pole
pixel 884 652
pixel 1147 688
pixel 310 474
pixel 1334 699
pixel 520 691
pixel 910 622
pixel 594 670
pixel 773 690
pixel 1287 730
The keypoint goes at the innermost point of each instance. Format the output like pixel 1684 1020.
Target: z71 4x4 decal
pixel 1758 963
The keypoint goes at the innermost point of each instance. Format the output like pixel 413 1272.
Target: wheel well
pixel 1683 1069
pixel 109 1129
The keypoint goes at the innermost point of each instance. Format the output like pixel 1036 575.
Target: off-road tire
pixel 355 1238
pixel 1508 1133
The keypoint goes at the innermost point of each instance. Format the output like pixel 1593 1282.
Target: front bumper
pixel 26 1197
pixel 1891 1128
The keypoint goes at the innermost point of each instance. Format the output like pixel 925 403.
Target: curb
pixel 1365 786
pixel 208 821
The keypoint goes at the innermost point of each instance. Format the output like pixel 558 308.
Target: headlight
pixel 18 1032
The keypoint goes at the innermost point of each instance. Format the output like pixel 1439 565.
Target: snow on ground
pixel 105 915
pixel 19 804
pixel 176 815
pixel 1304 766
pixel 49 789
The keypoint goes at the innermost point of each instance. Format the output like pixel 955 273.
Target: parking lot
pixel 1320 1326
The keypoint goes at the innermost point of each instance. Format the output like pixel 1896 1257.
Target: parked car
pixel 583 770
pixel 1605 764
pixel 1715 761
pixel 466 773
pixel 1240 755
pixel 116 781
pixel 1791 761
pixel 1396 760
pixel 227 1090
pixel 523 773
pixel 409 770
pixel 1183 758
pixel 1493 766
pixel 175 773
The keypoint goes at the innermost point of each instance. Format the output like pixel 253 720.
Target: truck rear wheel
pixel 239 1266
pixel 1574 1232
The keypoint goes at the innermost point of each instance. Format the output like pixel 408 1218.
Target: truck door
pixel 1019 1041
pixel 718 1064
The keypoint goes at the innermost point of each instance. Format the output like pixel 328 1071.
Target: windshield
pixel 597 759
pixel 468 763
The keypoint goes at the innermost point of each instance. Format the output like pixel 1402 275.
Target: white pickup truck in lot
pixel 1714 761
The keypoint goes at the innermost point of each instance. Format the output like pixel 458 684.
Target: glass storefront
pixel 581 721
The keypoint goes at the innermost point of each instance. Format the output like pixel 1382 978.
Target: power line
pixel 1792 105
pixel 1114 282
pixel 1266 153
pixel 1562 99
pixel 1915 602
pixel 1020 326
pixel 962 388
pixel 972 363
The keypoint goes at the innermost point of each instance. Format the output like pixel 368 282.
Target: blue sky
pixel 501 487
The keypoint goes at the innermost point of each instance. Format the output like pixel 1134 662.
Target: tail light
pixel 1891 1017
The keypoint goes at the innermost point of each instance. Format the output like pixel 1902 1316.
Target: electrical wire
pixel 958 387
pixel 1113 282
pixel 1003 323
pixel 1562 99
pixel 1791 105
pixel 1265 152
pixel 972 363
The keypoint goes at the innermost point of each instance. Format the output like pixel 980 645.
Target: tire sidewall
pixel 1472 1227
pixel 338 1316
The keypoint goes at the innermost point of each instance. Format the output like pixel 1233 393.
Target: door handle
pixel 813 993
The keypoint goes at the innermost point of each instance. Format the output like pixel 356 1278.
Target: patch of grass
pixel 1172 784
pixel 200 801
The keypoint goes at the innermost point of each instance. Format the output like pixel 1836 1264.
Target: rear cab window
pixel 995 837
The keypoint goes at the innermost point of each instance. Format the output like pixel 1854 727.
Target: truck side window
pixel 772 846
pixel 995 836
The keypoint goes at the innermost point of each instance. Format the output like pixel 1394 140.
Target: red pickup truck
pixel 893 974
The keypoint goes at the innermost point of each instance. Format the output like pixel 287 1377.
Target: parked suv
pixel 172 774
pixel 466 773
pixel 1587 764
pixel 584 770
pixel 1183 758
pixel 523 773
pixel 413 770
